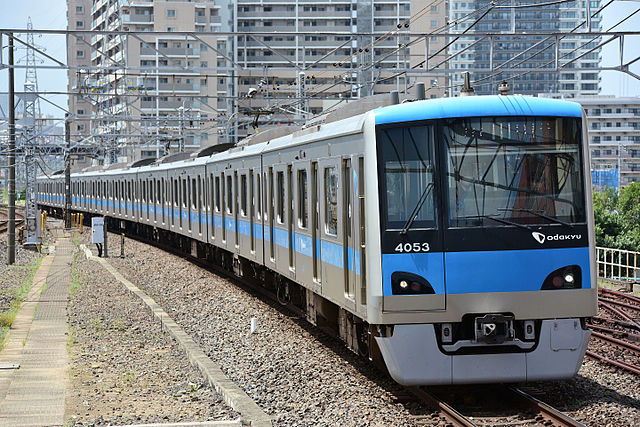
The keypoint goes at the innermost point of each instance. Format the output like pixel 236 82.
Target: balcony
pixel 179 87
pixel 171 51
pixel 137 19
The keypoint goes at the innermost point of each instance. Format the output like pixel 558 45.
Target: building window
pixel 171 13
pixel 204 64
pixel 79 9
pixel 79 24
pixel 171 29
pixel 80 112
pixel 80 53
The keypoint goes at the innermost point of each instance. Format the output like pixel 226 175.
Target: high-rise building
pixel 351 50
pixel 614 135
pixel 534 56
pixel 78 56
pixel 157 93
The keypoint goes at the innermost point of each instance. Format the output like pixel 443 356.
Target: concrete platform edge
pixel 249 410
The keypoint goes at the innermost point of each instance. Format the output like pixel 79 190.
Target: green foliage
pixel 617 218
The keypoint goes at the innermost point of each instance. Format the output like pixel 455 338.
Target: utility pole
pixel 181 115
pixel 11 223
pixel 32 135
pixel 67 172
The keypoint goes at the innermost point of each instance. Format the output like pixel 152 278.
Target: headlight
pixel 404 283
pixel 569 277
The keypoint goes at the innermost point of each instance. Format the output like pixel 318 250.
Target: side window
pixel 194 193
pixel 331 201
pixel 280 196
pixel 302 199
pixel 184 192
pixel 243 195
pixel 175 192
pixel 217 194
pixel 230 194
pixel 258 199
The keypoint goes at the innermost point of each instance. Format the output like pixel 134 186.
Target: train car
pixel 453 238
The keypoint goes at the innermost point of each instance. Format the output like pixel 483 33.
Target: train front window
pixel 407 187
pixel 505 171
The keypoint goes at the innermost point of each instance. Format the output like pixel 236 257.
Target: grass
pixel 76 282
pixel 8 317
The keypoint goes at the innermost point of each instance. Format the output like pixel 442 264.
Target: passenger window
pixel 229 194
pixel 258 200
pixel 217 194
pixel 302 199
pixel 184 193
pixel 280 196
pixel 331 201
pixel 243 195
pixel 176 196
pixel 194 194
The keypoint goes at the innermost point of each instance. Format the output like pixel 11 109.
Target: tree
pixel 617 218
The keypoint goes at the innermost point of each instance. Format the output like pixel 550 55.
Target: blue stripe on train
pixel 509 271
pixel 486 271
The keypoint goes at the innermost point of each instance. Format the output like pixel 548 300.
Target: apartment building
pixel 533 55
pixel 78 55
pixel 351 50
pixel 614 135
pixel 158 93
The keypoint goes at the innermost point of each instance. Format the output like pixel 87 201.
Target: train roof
pixel 468 106
pixel 476 106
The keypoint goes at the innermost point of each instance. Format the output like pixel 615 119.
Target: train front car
pixel 486 240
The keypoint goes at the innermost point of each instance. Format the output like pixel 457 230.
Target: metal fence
pixel 617 264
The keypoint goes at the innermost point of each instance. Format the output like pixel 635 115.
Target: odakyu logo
pixel 541 238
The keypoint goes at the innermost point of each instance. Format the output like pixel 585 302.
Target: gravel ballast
pixel 125 370
pixel 301 377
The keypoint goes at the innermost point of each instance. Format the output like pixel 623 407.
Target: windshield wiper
pixel 501 220
pixel 538 214
pixel 416 209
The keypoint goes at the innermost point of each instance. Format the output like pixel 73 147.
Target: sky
pixel 51 14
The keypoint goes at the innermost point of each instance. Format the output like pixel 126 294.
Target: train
pixel 451 239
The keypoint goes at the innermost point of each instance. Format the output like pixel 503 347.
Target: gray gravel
pixel 125 370
pixel 294 372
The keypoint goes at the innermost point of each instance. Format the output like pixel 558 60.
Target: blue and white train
pixel 451 238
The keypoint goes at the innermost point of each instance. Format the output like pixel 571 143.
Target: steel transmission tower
pixel 32 135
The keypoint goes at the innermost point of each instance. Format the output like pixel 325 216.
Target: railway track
pixel 4 214
pixel 490 405
pixel 615 339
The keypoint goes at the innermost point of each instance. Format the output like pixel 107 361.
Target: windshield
pixel 522 170
pixel 407 166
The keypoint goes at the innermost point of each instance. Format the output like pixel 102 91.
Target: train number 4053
pixel 412 247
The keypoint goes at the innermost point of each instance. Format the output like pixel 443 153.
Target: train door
pixel 251 214
pixel 280 227
pixel 359 224
pixel 315 224
pixel 267 215
pixel 303 242
pixel 210 206
pixel 223 208
pixel 291 244
pixel 332 224
pixel 236 222
pixel 348 238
